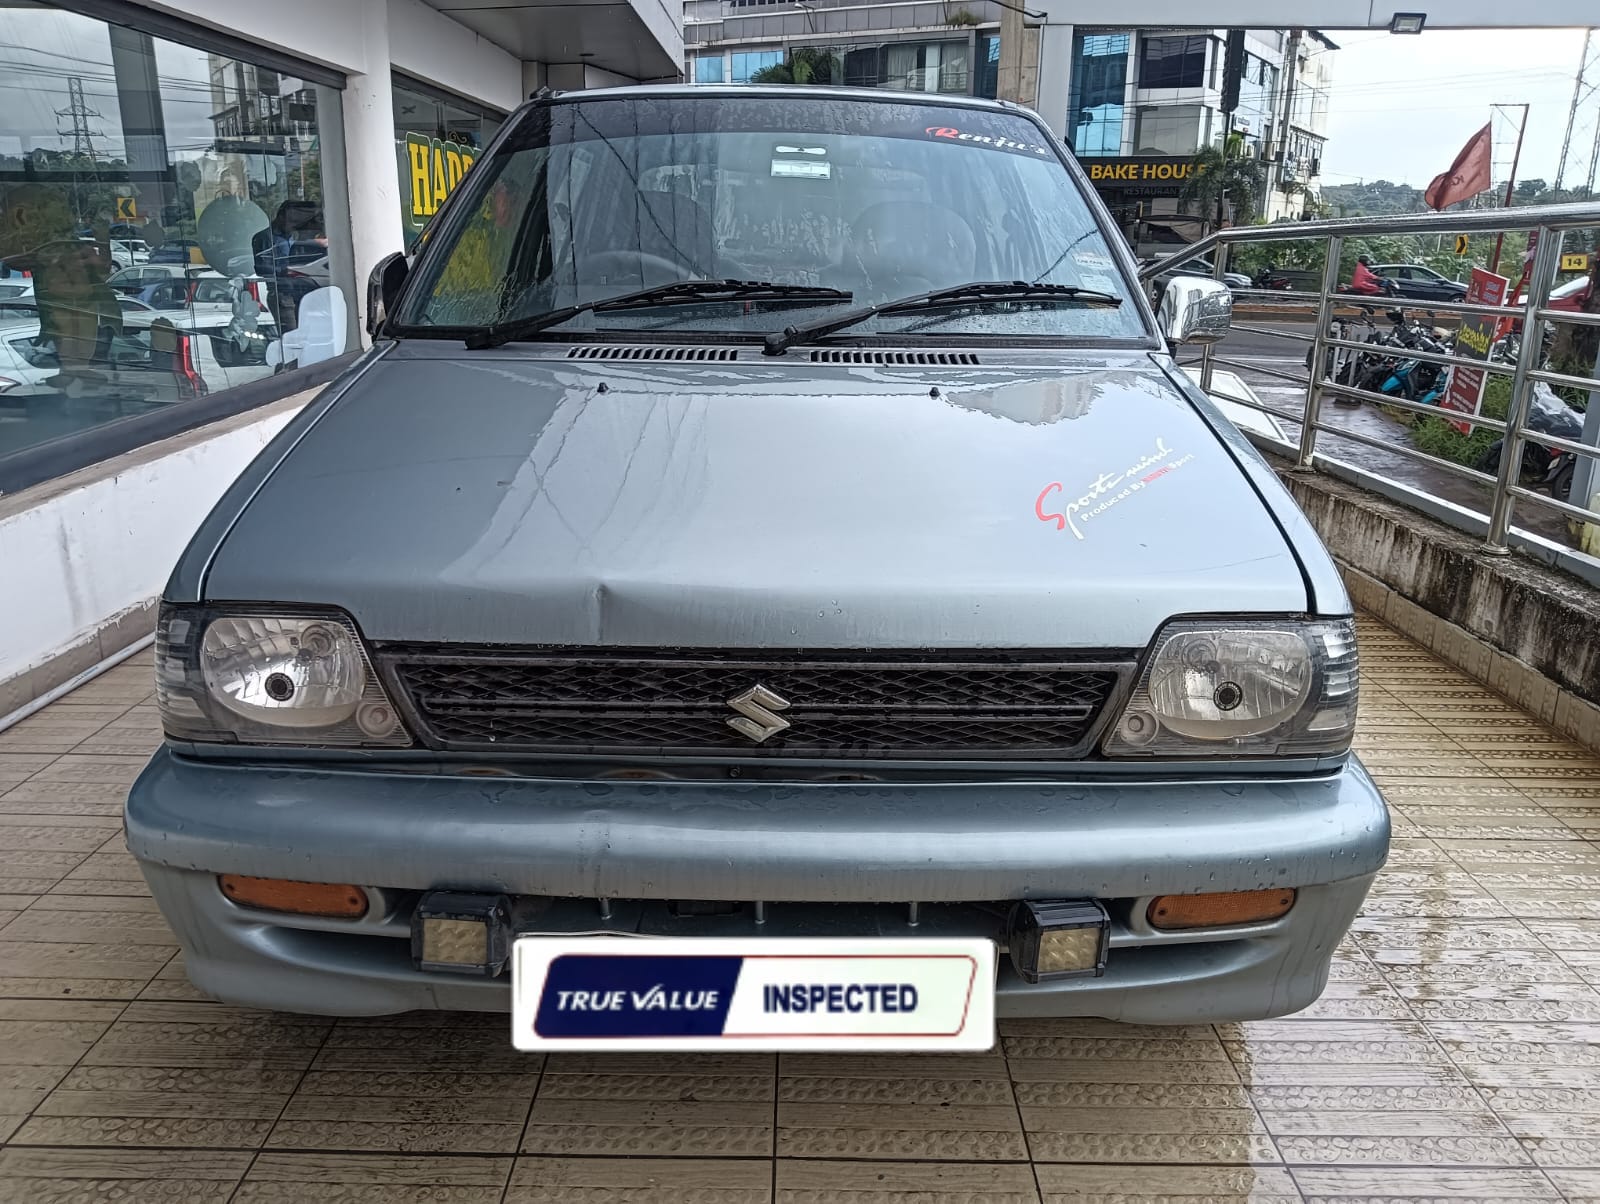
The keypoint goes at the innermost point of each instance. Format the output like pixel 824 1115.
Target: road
pixel 1278 354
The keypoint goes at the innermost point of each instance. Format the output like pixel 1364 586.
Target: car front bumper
pixel 825 858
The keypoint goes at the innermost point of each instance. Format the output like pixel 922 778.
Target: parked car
pixel 16 287
pixel 1573 295
pixel 129 252
pixel 240 329
pixel 177 250
pixel 1421 283
pixel 187 360
pixel 629 592
pixel 1201 265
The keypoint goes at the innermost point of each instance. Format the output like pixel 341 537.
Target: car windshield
pixel 595 198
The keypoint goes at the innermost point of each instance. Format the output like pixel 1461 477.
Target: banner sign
pixel 1139 175
pixel 1473 340
pixel 430 168
pixel 721 993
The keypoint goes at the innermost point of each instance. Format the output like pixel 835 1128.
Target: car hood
pixel 506 498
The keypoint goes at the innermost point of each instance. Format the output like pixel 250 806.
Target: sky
pixel 1402 107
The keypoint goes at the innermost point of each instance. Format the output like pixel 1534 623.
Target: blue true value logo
pixel 600 995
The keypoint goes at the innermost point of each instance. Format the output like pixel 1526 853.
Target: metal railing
pixel 1505 491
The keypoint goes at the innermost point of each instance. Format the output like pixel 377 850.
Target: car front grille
pixel 656 702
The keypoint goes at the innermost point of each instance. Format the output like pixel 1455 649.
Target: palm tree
pixel 804 65
pixel 1221 176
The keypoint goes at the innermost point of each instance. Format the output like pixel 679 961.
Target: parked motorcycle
pixel 1542 467
pixel 1384 366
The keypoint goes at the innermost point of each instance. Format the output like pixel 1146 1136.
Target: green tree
pixel 804 65
pixel 1222 178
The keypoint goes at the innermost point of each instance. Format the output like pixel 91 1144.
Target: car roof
pixel 791 91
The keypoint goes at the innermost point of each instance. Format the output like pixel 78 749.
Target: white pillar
pixel 375 225
pixel 1055 76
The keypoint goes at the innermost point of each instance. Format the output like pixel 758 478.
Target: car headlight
pixel 1248 688
pixel 269 677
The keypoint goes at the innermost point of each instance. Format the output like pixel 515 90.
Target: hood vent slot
pixel 652 352
pixel 910 358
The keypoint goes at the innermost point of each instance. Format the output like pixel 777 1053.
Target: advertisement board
pixel 430 168
pixel 1138 175
pixel 1473 340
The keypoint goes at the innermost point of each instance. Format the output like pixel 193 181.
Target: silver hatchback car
pixel 765 515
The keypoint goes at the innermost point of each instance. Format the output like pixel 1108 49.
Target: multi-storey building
pixel 1135 104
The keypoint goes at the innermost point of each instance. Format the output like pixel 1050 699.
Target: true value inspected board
pixel 756 994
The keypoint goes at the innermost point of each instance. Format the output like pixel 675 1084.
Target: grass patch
pixel 1438 438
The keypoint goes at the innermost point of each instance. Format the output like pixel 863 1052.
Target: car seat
pixel 897 248
pixel 320 333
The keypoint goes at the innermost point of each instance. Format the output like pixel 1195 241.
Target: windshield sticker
pixel 951 134
pixel 1104 283
pixel 1107 490
pixel 814 166
pixel 1093 260
pixel 808 169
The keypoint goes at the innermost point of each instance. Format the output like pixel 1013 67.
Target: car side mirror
pixel 1195 309
pixel 383 289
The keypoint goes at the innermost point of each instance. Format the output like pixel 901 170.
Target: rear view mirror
pixel 1195 309
pixel 383 289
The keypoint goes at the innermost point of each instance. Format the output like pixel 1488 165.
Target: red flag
pixel 1468 175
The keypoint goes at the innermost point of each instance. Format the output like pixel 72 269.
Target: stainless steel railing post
pixel 1205 351
pixel 1544 271
pixel 1319 349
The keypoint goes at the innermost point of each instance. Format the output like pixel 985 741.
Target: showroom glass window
pixel 1172 129
pixel 986 79
pixel 163 227
pixel 1098 92
pixel 910 66
pixel 1172 61
pixel 746 63
pixel 1258 104
pixel 708 69
pixel 436 139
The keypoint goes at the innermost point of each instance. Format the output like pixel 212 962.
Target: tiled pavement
pixel 1456 1054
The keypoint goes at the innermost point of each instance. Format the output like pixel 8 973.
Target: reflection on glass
pixel 437 140
pixel 1172 61
pixel 1172 129
pixel 161 219
pixel 1098 92
pixel 881 201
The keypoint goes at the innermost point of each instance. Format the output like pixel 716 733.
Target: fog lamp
pixel 459 932
pixel 1052 939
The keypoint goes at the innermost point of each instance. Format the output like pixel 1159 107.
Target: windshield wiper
pixel 979 292
pixel 678 292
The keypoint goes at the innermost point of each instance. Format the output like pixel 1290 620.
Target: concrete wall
pixel 93 549
pixel 445 53
pixel 422 41
pixel 1525 630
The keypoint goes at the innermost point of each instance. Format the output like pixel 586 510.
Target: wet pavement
pixel 1455 1055
pixel 1363 418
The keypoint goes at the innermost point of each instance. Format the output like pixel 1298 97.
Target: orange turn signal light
pixel 1171 912
pixel 298 898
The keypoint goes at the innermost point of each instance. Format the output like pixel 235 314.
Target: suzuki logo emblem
pixel 756 719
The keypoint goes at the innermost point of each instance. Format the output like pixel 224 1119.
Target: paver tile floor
pixel 1455 1055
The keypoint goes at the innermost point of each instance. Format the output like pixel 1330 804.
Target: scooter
pixel 1542 467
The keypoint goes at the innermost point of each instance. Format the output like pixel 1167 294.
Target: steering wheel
pixel 628 261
